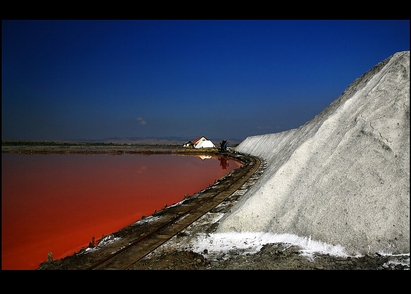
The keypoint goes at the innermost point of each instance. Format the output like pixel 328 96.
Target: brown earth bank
pixel 277 256
pixel 114 149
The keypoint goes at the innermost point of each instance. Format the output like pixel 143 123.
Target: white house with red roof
pixel 200 142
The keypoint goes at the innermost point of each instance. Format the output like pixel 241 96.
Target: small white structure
pixel 200 142
pixel 205 144
pixel 188 144
pixel 204 157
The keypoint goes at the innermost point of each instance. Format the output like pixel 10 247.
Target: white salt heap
pixel 343 178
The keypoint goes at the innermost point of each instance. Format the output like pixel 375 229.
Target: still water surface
pixel 58 203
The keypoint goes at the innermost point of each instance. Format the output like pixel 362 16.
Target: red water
pixel 58 203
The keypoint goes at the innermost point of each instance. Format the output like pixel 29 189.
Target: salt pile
pixel 343 178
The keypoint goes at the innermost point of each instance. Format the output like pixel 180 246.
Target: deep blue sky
pixel 223 79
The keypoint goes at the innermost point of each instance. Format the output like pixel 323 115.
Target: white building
pixel 200 142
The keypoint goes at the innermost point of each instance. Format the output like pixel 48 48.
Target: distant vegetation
pixel 79 143
pixel 52 143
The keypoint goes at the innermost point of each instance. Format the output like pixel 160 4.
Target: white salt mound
pixel 343 178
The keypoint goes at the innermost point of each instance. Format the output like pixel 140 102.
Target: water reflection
pixel 58 203
pixel 204 157
pixel 224 162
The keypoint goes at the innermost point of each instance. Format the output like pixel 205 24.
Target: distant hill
pixel 158 140
pixel 123 140
pixel 142 140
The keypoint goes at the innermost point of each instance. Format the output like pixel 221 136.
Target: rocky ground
pixel 270 257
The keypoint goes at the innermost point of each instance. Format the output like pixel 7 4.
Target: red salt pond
pixel 58 203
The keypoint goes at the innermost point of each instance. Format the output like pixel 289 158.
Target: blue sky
pixel 223 79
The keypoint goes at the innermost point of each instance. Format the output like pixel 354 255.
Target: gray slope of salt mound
pixel 343 177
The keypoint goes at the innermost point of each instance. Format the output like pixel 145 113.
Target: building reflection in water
pixel 224 160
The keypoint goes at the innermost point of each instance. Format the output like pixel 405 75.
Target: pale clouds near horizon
pixel 141 121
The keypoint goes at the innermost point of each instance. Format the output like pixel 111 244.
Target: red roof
pixel 198 139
